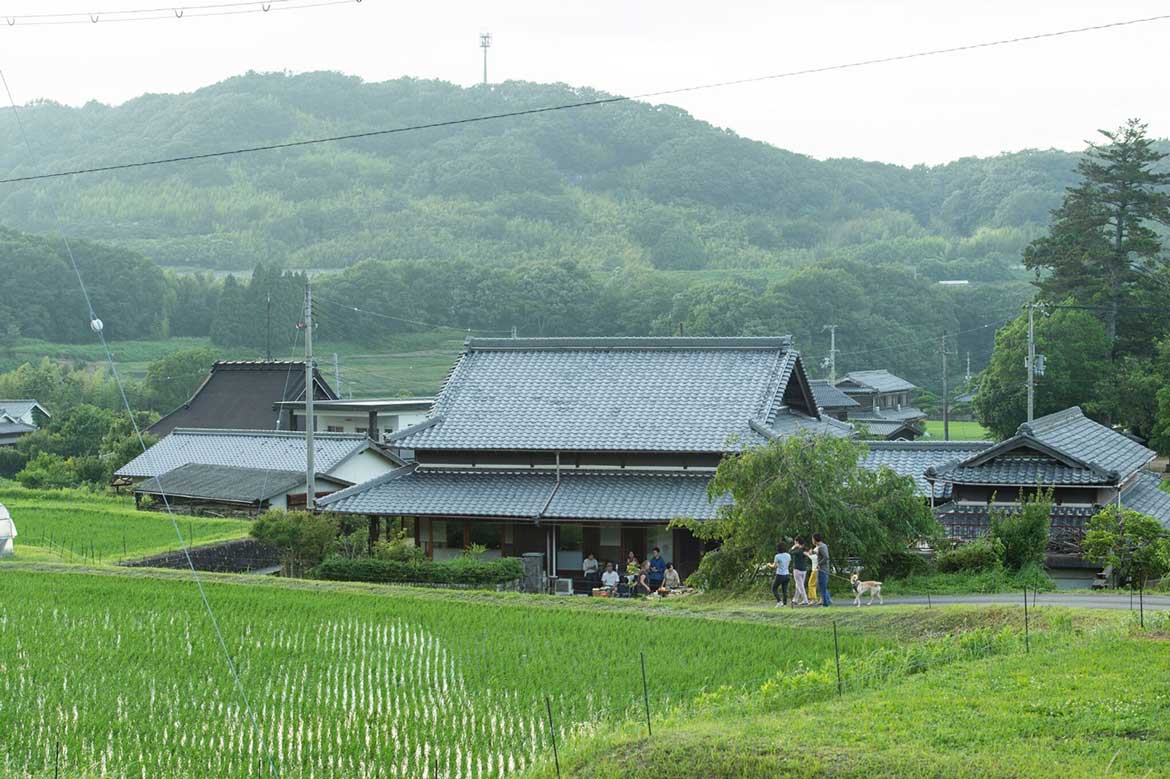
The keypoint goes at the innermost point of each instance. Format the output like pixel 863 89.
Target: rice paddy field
pixel 78 526
pixel 109 674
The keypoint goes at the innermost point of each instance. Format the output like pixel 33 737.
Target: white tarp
pixel 7 531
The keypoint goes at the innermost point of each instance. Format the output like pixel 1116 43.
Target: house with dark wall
pixel 19 418
pixel 243 395
pixel 1086 465
pixel 832 401
pixel 885 403
pixel 565 446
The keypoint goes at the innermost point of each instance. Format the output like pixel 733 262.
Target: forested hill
pixel 619 185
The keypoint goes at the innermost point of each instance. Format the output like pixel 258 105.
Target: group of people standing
pixel 796 563
pixel 642 578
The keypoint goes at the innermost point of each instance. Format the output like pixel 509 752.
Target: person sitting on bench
pixel 610 578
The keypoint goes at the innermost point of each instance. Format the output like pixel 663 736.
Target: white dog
pixel 873 589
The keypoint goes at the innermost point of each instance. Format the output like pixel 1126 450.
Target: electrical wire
pixel 96 326
pixel 380 315
pixel 174 12
pixel 596 102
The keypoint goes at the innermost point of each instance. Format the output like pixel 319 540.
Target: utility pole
pixel 485 43
pixel 1031 359
pixel 268 327
pixel 832 352
pixel 310 419
pixel 946 398
pixel 967 376
pixel 337 374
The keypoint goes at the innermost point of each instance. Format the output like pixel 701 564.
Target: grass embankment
pixel 965 430
pixel 413 364
pixel 347 680
pixel 81 526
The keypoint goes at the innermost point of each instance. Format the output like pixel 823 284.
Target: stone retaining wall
pixel 239 556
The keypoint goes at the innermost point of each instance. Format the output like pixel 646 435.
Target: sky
pixel 1042 94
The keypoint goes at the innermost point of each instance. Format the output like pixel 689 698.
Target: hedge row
pixel 459 571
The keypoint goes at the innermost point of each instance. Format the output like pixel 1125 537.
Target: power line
pixel 173 12
pixel 930 340
pixel 596 102
pixel 98 328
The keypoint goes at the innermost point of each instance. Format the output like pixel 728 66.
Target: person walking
pixel 781 563
pixel 800 566
pixel 822 553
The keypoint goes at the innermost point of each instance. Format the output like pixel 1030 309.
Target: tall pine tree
pixel 1101 249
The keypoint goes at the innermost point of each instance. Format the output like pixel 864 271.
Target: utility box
pixel 534 580
pixel 7 532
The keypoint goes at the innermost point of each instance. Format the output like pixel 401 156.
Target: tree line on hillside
pixel 886 315
pixel 624 185
pixel 1103 287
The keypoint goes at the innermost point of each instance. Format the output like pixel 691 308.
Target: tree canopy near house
pixel 1077 351
pixel 1103 259
pixel 799 486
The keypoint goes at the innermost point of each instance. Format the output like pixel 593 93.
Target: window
pixel 359 429
pixel 334 429
pixel 487 534
pixel 569 554
pixel 448 537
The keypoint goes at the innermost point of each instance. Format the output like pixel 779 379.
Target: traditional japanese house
pixel 885 403
pixel 565 446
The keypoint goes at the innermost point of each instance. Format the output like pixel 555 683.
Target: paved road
pixel 1076 600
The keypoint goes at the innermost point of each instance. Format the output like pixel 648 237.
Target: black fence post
pixel 1141 605
pixel 1027 639
pixel 57 759
pixel 928 600
pixel 646 695
pixel 552 733
pixel 837 654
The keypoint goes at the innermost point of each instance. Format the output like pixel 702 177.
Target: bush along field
pixel 93 527
pixel 122 671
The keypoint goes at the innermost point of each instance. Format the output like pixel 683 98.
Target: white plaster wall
pixel 362 467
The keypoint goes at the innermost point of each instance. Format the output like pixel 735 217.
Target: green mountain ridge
pixel 620 185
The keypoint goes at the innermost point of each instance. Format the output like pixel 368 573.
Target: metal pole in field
pixel 1141 605
pixel 552 732
pixel 837 654
pixel 1027 640
pixel 57 759
pixel 646 695
pixel 310 420
pixel 928 600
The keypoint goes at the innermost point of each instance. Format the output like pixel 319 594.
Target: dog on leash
pixel 870 588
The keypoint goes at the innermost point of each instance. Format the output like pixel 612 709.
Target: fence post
pixel 1141 605
pixel 552 733
pixel 837 654
pixel 928 600
pixel 1027 639
pixel 646 695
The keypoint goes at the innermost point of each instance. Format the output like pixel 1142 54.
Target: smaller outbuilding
pixel 225 490
pixel 7 532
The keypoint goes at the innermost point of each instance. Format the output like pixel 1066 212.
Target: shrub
pixel 459 571
pixel 399 549
pixel 11 462
pixel 92 470
pixel 302 538
pixel 903 563
pixel 47 471
pixel 1024 534
pixel 983 554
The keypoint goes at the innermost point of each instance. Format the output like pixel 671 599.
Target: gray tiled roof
pixel 1014 469
pixel 829 396
pixel 18 408
pixel 877 381
pixel 264 449
pixel 1148 498
pixel 226 483
pixel 1071 432
pixel 609 394
pixel 580 495
pixel 885 429
pixel 912 458
pixel 904 414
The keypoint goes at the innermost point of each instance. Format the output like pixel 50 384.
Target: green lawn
pixel 960 431
pixel 77 526
pixel 1069 708
pixel 123 668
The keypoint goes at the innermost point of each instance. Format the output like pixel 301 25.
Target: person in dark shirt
pixel 642 584
pixel 822 553
pixel 657 569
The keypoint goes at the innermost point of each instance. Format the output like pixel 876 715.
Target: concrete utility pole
pixel 337 374
pixel 310 419
pixel 967 376
pixel 946 398
pixel 832 352
pixel 485 43
pixel 1031 359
